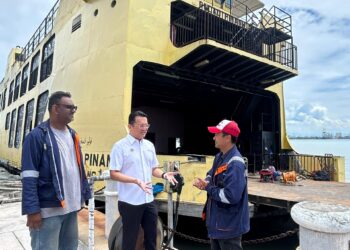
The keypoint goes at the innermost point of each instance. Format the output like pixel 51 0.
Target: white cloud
pixel 313 119
pixel 318 98
pixel 332 8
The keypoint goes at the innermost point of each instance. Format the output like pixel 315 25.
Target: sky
pixel 316 100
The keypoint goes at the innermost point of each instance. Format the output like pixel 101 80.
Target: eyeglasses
pixel 142 126
pixel 71 107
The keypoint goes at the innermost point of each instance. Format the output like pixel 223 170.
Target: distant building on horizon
pixel 338 135
pixel 326 135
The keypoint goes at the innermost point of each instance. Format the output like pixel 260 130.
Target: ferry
pixel 188 64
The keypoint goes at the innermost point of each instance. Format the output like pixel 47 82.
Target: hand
pixel 34 221
pixel 200 183
pixel 169 176
pixel 145 186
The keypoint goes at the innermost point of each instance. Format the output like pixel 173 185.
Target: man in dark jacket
pixel 226 211
pixel 53 176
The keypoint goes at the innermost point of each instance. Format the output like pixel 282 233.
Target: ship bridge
pixel 235 45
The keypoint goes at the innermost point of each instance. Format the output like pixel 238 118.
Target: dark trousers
pixel 133 216
pixel 226 244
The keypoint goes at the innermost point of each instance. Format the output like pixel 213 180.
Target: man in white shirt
pixel 133 162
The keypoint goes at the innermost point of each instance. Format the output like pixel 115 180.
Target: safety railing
pixel 314 166
pixel 39 35
pixel 247 34
pixel 278 19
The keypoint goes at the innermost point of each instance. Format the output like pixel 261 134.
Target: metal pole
pixel 91 216
pixel 170 218
pixel 167 168
pixel 92 180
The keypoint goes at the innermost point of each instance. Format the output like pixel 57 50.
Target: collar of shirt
pixel 222 157
pixel 132 139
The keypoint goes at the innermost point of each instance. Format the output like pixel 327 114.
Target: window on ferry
pixel 19 126
pixel 25 76
pixel 7 122
pixel 11 93
pixel 28 121
pixel 34 71
pixel 4 99
pixel 17 84
pixel 1 107
pixel 226 3
pixel 47 59
pixel 41 107
pixel 12 128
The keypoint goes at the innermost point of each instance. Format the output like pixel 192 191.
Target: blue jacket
pixel 227 211
pixel 41 170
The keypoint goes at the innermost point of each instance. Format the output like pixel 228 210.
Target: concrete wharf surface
pixel 14 235
pixel 286 195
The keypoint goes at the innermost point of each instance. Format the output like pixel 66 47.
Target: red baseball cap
pixel 226 126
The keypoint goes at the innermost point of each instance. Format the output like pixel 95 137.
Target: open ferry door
pixel 181 102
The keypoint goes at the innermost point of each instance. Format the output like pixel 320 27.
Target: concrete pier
pixel 322 225
pixel 14 234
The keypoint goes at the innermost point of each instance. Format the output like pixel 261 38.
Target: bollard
pixel 322 225
pixel 111 204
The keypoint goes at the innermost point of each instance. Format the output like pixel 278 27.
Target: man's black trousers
pixel 132 217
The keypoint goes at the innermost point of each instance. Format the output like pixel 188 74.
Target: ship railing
pixel 248 15
pixel 313 166
pixel 245 33
pixel 278 19
pixel 310 166
pixel 235 8
pixel 43 31
pixel 285 55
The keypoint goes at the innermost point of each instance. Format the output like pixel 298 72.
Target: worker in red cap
pixel 226 210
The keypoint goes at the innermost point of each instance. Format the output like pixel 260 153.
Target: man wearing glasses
pixel 53 176
pixel 133 162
